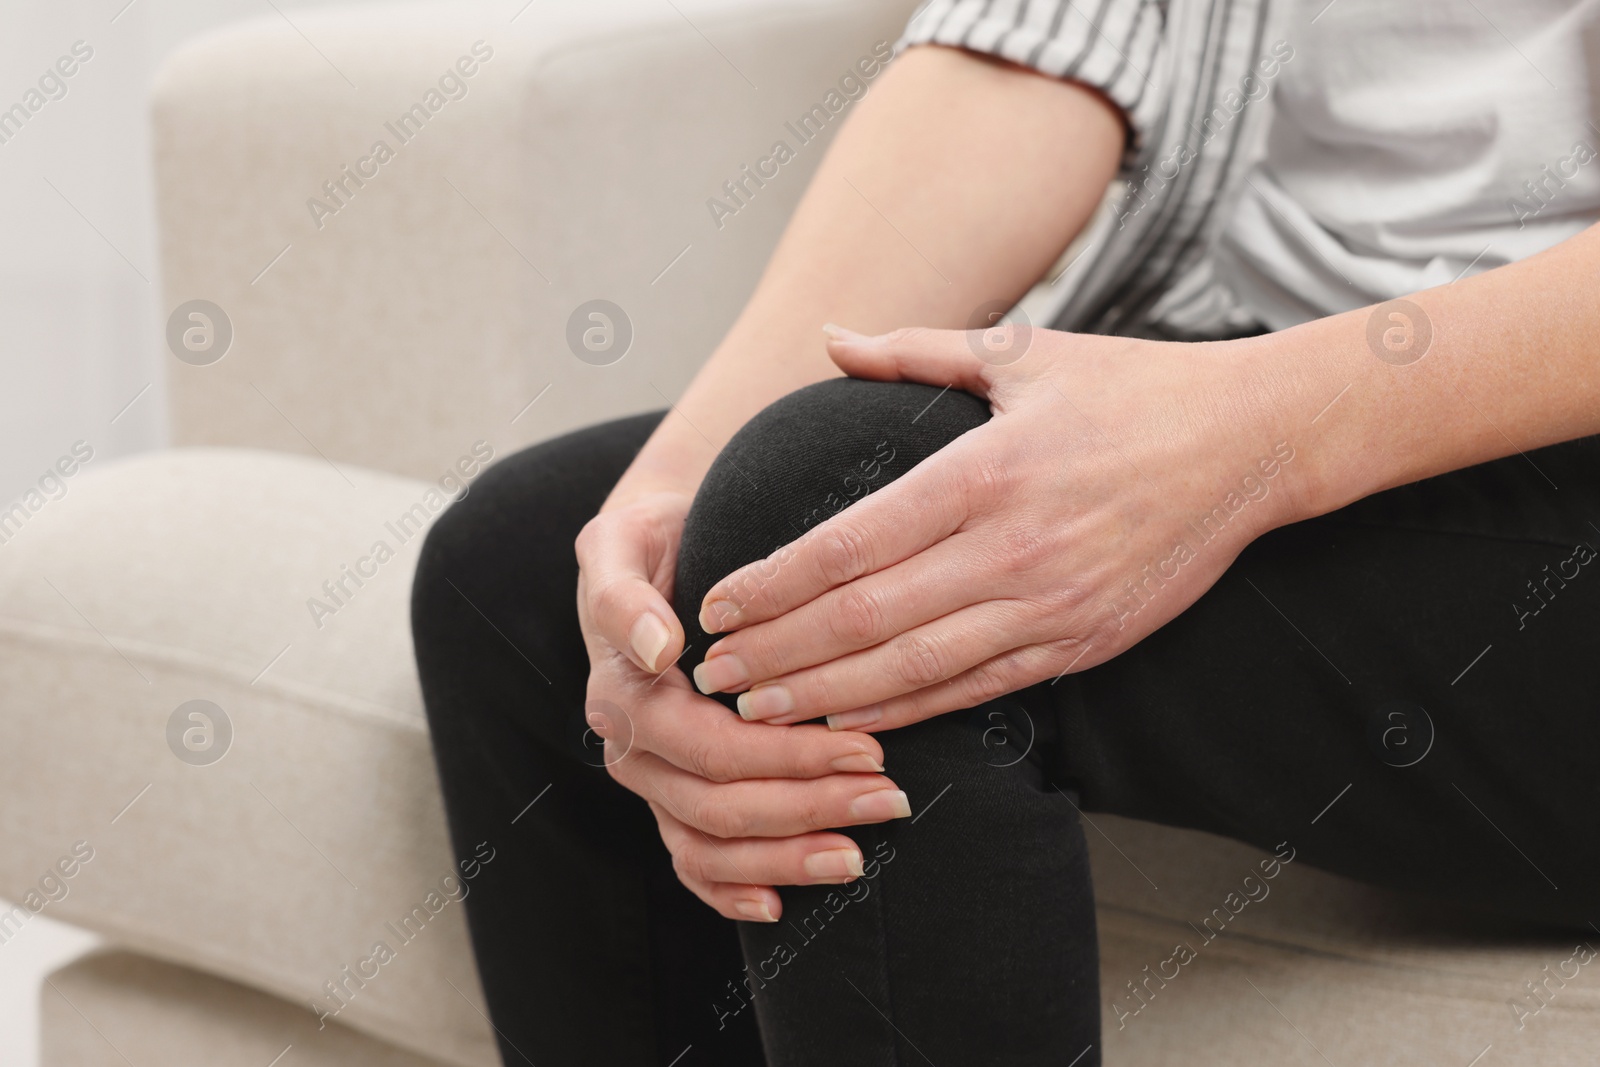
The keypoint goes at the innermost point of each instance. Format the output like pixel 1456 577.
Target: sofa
pixel 216 757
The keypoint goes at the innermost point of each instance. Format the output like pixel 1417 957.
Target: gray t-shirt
pixel 1412 144
pixel 1289 159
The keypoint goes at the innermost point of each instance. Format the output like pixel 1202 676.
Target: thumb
pixel 626 609
pixel 959 359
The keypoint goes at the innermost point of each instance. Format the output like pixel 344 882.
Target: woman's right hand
pixel 741 806
pixel 627 560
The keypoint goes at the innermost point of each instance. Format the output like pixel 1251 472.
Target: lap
pixel 1390 660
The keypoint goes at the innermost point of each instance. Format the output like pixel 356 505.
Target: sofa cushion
pixel 1216 952
pixel 274 588
pixel 117 1008
pixel 185 575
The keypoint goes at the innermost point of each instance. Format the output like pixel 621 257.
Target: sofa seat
pixel 186 575
pixel 148 1012
pixel 1307 968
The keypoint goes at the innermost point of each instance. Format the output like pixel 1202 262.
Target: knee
pixel 802 460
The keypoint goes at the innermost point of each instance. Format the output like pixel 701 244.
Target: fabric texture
pixel 1413 144
pixel 146 1011
pixel 1355 750
pixel 617 919
pixel 1289 159
pixel 1187 75
pixel 185 575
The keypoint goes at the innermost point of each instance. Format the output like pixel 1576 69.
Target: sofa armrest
pixel 277 838
pixel 420 310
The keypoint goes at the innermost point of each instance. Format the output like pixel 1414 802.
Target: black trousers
pixel 1432 647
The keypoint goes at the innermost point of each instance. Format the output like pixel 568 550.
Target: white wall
pixel 80 319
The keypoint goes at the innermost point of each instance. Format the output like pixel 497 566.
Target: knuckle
pixel 695 754
pixel 1027 547
pixel 908 336
pixel 764 652
pixel 919 662
pixel 795 762
pixel 815 811
pixel 690 864
pixel 986 682
pixel 583 545
pixel 1059 601
pixel 712 813
pixel 843 552
pixel 708 756
pixel 989 478
pixel 818 693
pixel 856 618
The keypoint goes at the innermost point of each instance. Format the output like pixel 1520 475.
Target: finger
pixel 762 807
pixel 933 357
pixel 698 735
pixel 809 859
pixel 741 903
pixel 626 609
pixel 921 508
pixel 866 612
pixel 737 901
pixel 925 656
pixel 1007 673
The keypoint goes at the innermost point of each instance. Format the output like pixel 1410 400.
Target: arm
pixel 959 181
pixel 1104 451
pixel 1513 364
pixel 983 173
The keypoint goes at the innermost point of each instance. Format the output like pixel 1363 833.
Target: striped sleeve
pixel 1115 46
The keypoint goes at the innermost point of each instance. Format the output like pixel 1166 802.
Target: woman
pixel 1314 473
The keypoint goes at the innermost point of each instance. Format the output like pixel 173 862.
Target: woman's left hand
pixel 1115 483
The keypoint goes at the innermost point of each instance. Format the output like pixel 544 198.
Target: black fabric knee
pixel 989 881
pixel 590 951
pixel 797 463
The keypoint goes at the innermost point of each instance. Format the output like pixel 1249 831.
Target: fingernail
pixel 881 806
pixel 721 673
pixel 649 637
pixel 765 701
pixel 834 863
pixel 856 762
pixel 754 910
pixel 839 333
pixel 854 720
pixel 714 614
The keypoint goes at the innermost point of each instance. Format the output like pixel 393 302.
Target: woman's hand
pixel 739 805
pixel 1116 481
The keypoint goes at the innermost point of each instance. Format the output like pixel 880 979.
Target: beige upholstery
pixel 184 575
pixel 1318 969
pixel 145 1012
pixel 415 323
pixel 427 312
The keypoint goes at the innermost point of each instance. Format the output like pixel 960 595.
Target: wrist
pixel 1348 412
pixel 1288 389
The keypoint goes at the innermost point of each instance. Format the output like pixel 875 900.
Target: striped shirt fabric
pixel 1190 77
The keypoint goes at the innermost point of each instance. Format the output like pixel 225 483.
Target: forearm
pixel 957 182
pixel 1513 364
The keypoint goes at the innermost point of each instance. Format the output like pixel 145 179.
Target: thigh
pixel 589 950
pixel 1402 689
